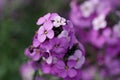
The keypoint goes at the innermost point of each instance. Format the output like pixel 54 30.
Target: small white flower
pixel 87 8
pixel 116 29
pixel 99 22
pixel 58 21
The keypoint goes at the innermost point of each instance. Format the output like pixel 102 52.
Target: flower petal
pixel 63 73
pixel 42 37
pixel 48 25
pixel 53 15
pixel 47 16
pixel 41 30
pixel 36 43
pixel 60 64
pixel 40 21
pixel 50 34
pixel 78 53
pixel 49 60
pixel 71 63
pixel 72 58
pixel 80 63
pixel 72 73
pixel 46 68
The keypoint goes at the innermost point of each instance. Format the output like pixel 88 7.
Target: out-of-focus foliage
pixel 17 25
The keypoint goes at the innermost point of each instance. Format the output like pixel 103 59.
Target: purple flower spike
pixel 53 43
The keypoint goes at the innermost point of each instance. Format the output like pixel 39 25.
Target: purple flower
pixel 59 46
pixel 33 53
pixel 66 70
pixel 79 58
pixel 45 31
pixel 46 18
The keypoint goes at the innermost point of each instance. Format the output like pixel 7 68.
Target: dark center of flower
pixel 56 45
pixel 58 30
pixel 46 55
pixel 37 50
pixel 31 48
pixel 66 67
pixel 45 32
pixel 58 21
pixel 77 60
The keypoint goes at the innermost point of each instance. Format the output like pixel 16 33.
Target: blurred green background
pixel 17 27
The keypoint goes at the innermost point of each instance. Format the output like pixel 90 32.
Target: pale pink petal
pixel 41 30
pixel 80 63
pixel 47 16
pixel 50 34
pixel 49 60
pixel 72 58
pixel 40 21
pixel 53 15
pixel 42 37
pixel 78 53
pixel 48 25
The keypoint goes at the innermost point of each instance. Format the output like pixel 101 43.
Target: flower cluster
pixel 92 17
pixel 55 49
pixel 99 22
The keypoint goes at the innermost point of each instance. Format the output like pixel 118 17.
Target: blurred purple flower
pixel 27 72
